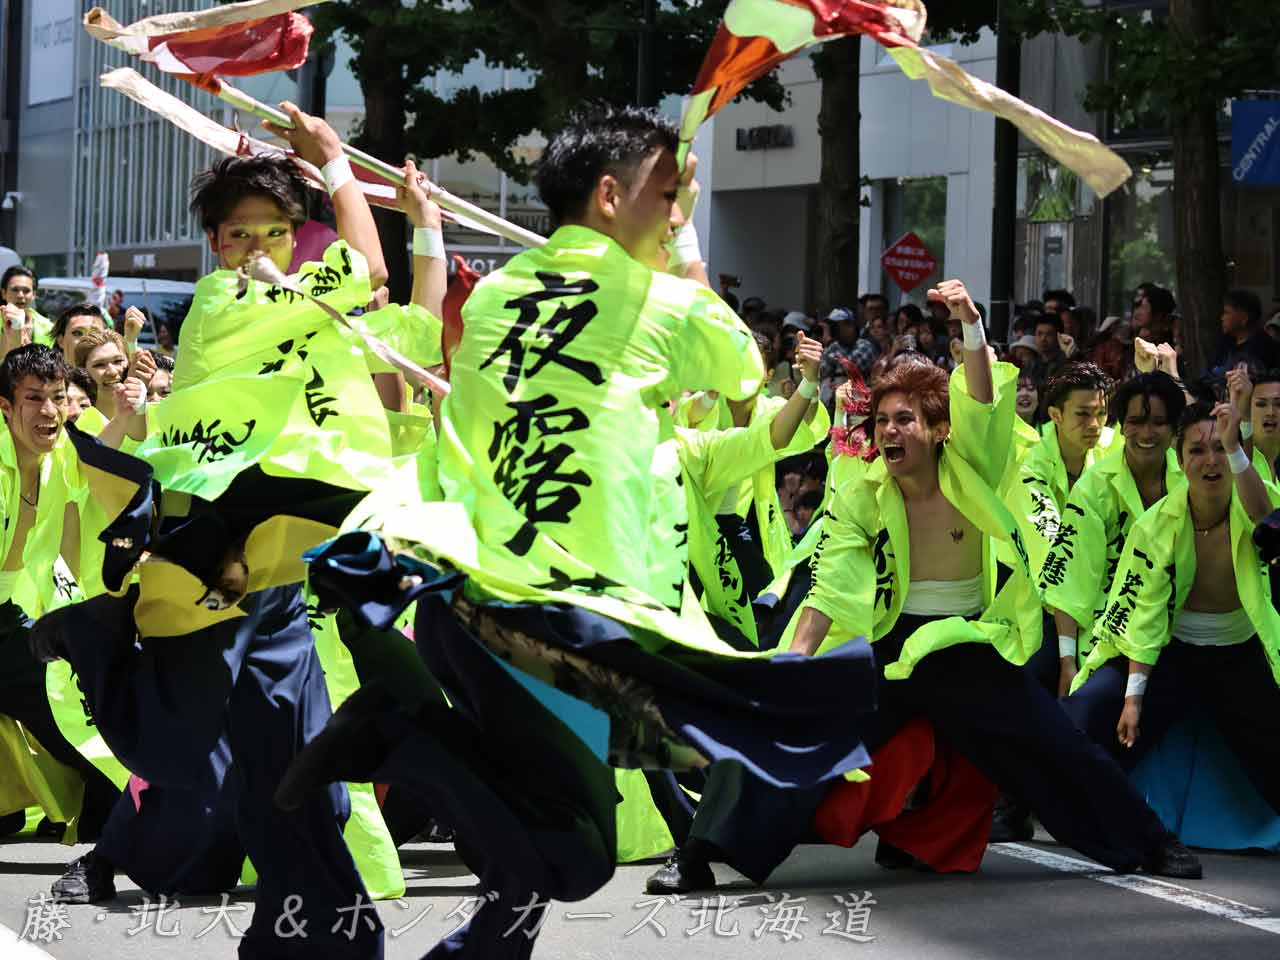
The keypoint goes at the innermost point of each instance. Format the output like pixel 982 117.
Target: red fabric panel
pixel 732 62
pixel 949 832
pixel 460 286
pixel 242 49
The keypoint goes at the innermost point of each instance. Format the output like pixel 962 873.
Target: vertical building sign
pixel 51 51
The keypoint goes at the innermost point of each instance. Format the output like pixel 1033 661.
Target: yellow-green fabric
pixel 642 833
pixel 1155 576
pixel 41 328
pixel 1266 470
pixel 1095 522
pixel 712 463
pixel 761 494
pixel 265 377
pixel 862 563
pixel 32 778
pixel 557 427
pixel 366 832
pixel 1025 437
pixel 411 330
pixel 1039 492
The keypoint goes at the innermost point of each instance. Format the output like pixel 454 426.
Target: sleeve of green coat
pixel 410 330
pixel 1136 620
pixel 844 575
pixel 716 460
pixel 981 433
pixel 1030 501
pixel 1075 567
pixel 714 350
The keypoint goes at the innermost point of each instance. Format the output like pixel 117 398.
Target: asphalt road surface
pixel 1034 900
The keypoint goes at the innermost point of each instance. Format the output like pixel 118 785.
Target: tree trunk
pixel 839 184
pixel 383 135
pixel 1201 263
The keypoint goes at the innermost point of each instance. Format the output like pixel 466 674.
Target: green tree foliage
pixel 576 49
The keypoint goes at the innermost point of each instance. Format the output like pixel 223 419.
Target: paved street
pixel 1034 900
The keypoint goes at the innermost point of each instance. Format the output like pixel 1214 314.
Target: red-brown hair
pixel 920 381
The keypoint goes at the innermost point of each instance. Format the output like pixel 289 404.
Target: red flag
pixel 236 41
pixel 757 35
pixel 460 286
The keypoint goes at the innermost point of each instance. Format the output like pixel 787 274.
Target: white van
pixel 166 301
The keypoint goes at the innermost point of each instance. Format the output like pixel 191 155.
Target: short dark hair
pixel 1246 301
pixel 1050 318
pixel 1161 301
pixel 84 309
pixel 868 297
pixel 33 360
pixel 80 377
pixel 598 139
pixel 1074 376
pixel 915 316
pixel 216 191
pixel 1197 412
pixel 1064 298
pixel 164 362
pixel 17 270
pixel 1147 385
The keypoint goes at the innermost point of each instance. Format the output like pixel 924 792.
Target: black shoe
pixel 682 873
pixel 46 829
pixel 89 879
pixel 893 858
pixel 1173 859
pixel 12 823
pixel 349 748
pixel 1011 823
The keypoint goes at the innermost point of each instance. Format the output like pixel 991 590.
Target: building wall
pixel 46 126
pixel 761 226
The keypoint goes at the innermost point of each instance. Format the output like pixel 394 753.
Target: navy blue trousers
pixel 162 708
pixel 140 839
pixel 1000 718
pixel 1233 683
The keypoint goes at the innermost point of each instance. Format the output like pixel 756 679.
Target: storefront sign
pixel 1255 142
pixel 908 262
pixel 765 138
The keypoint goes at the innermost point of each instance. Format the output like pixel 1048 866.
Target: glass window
pixel 1141 228
pixel 918 206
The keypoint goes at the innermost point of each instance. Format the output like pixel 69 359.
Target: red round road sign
pixel 908 262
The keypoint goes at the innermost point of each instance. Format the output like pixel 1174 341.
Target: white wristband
pixel 1066 646
pixel 428 242
pixel 808 389
pixel 1239 460
pixel 1136 686
pixel 706 401
pixel 684 248
pixel 975 338
pixel 1246 430
pixel 337 173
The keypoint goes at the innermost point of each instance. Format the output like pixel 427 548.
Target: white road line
pixel 11 948
pixel 1209 903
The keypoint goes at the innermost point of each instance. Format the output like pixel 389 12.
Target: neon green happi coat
pixel 264 377
pixel 712 463
pixel 557 422
pixel 862 559
pixel 36 592
pixel 41 329
pixel 1267 471
pixel 1100 511
pixel 1038 493
pixel 1025 437
pixel 1154 579
pixel 761 494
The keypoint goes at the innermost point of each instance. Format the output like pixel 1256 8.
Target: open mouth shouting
pixel 893 452
pixel 46 432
